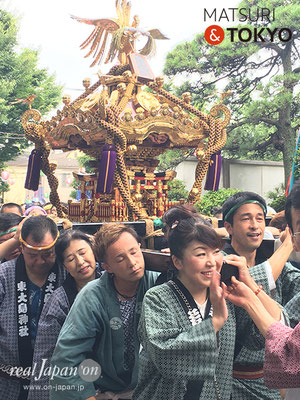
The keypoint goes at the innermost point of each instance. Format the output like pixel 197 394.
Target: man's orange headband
pixel 36 247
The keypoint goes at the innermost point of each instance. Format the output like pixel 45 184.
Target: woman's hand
pixel 241 264
pixel 217 297
pixel 239 294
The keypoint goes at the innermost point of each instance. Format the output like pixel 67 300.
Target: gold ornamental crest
pixel 148 101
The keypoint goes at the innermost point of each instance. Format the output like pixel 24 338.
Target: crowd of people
pixel 27 209
pixel 81 317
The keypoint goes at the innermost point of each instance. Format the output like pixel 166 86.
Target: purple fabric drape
pixel 214 172
pixel 107 166
pixel 33 170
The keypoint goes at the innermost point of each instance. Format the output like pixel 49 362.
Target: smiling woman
pixel 188 348
pixel 180 321
pixel 196 252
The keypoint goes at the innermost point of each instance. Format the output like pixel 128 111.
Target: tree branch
pixel 269 121
pixel 231 72
pixel 245 121
pixel 270 45
pixel 255 65
pixel 231 127
pixel 264 145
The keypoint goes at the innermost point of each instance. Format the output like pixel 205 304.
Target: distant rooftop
pixel 64 160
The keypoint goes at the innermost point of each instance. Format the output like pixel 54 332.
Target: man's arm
pixel 12 244
pixel 8 247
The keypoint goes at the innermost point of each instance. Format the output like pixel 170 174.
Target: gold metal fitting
pixel 195 192
pixel 132 148
pixel 86 83
pixel 66 99
pixel 200 154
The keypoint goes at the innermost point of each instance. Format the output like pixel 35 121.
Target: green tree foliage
pixel 171 158
pixel 297 165
pixel 19 78
pixel 263 77
pixel 213 199
pixel 88 163
pixel 177 190
pixel 4 187
pixel 277 198
pixel 76 185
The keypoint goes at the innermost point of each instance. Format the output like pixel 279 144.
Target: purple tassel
pixel 214 172
pixel 107 166
pixel 33 170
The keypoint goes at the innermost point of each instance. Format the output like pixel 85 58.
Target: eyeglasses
pixel 296 236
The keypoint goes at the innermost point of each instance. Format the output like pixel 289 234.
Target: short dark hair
pixel 292 201
pixel 9 220
pixel 108 234
pixel 64 241
pixel 183 232
pixel 231 205
pixel 11 205
pixel 37 227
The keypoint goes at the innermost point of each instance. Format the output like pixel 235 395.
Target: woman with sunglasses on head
pixel 187 333
pixel 74 250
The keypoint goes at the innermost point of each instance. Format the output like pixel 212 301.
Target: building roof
pixel 64 160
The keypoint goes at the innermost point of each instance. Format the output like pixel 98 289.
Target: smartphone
pixel 227 271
